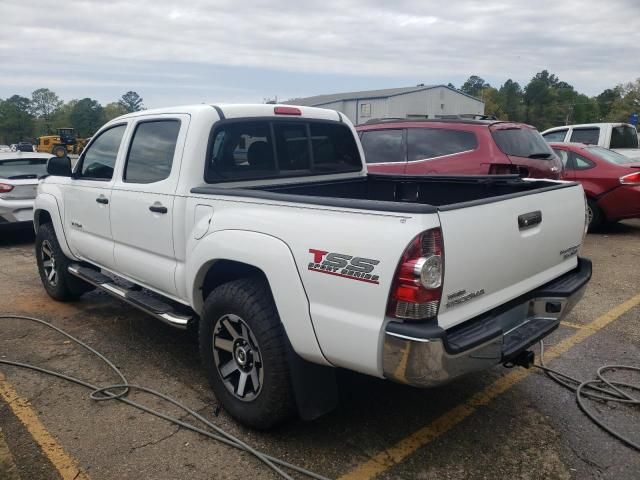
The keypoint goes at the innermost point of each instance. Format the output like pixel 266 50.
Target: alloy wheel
pixel 237 357
pixel 49 263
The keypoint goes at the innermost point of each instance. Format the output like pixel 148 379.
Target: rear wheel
pixel 243 349
pixel 52 266
pixel 595 215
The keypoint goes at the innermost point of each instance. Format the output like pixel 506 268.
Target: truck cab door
pixel 87 199
pixel 142 202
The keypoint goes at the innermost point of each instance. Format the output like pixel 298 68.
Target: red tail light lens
pixel 631 179
pixel 4 188
pixel 287 111
pixel 417 286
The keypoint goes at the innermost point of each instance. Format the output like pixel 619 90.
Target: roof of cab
pixel 238 110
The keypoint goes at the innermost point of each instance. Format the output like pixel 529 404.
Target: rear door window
pixel 589 135
pixel 151 153
pixel 242 150
pixel 557 136
pixel 426 143
pixel 383 146
pixel 624 136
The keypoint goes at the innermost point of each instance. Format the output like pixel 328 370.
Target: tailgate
pixel 497 251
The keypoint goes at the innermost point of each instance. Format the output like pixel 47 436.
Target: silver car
pixel 19 174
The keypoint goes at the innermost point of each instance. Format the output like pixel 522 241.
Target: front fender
pixel 274 258
pixel 45 202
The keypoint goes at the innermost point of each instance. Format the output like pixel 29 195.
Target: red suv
pixel 459 147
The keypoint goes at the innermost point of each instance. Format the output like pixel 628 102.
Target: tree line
pixel 546 101
pixel 24 118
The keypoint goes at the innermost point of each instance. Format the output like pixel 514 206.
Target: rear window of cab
pixel 262 148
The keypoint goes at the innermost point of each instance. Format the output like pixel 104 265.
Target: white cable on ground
pixel 599 389
pixel 123 387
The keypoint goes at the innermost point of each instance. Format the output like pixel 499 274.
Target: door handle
pixel 158 208
pixel 102 200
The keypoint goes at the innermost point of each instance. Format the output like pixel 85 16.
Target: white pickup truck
pixel 620 137
pixel 260 225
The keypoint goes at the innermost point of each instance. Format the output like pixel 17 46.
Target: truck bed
pixel 402 194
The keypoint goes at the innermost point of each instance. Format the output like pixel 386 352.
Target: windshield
pixel 610 156
pixel 23 168
pixel 522 142
pixel 624 136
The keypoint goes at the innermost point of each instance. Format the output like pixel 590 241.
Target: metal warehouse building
pixel 421 101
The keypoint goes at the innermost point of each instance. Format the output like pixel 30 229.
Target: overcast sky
pixel 174 52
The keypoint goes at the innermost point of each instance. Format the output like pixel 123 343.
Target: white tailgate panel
pixel 485 249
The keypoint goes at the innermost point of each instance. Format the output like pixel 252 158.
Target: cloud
pixel 163 44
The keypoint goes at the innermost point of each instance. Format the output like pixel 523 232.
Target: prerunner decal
pixel 347 266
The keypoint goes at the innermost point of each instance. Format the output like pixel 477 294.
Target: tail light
pixel 417 287
pixel 631 179
pixel 4 188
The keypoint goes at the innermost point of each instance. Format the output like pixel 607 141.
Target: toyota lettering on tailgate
pixel 341 265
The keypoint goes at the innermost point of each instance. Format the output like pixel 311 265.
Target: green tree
pixel 131 102
pixel 510 98
pixel 607 98
pixel 473 86
pixel 61 118
pixel 627 103
pixel 44 104
pixel 113 110
pixel 87 116
pixel 16 121
pixel 492 106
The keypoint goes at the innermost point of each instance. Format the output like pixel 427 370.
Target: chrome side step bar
pixel 147 303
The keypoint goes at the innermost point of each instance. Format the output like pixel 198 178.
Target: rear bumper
pixel 425 355
pixel 16 211
pixel 621 202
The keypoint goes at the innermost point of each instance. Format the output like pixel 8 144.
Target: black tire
pixel 59 151
pixel 249 302
pixel 60 285
pixel 596 214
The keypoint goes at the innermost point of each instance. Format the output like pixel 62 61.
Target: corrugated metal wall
pixel 422 104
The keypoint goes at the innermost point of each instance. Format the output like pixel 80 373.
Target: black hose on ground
pixel 601 389
pixel 120 391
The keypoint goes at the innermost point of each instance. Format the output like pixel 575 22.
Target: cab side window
pixel 588 136
pixel 383 146
pixel 557 136
pixel 151 153
pixel 99 158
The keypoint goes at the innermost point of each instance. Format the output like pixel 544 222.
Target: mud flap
pixel 314 386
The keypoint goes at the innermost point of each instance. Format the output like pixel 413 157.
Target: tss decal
pixel 348 266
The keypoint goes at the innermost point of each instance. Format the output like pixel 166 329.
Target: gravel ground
pixel 533 430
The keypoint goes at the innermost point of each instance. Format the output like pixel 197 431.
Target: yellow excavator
pixel 64 143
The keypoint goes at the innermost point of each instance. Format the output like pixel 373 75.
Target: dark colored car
pixel 458 147
pixel 610 180
pixel 24 147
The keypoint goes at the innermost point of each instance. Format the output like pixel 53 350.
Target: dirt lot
pixel 498 424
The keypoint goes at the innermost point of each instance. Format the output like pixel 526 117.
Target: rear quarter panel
pixel 347 315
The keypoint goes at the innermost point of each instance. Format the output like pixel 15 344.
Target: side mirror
pixel 59 166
